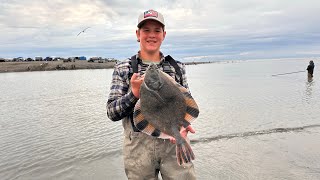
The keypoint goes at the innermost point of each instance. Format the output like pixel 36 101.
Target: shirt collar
pixel 161 57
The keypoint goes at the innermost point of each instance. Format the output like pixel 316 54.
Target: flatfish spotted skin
pixel 163 108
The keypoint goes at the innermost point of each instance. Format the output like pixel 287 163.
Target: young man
pixel 145 156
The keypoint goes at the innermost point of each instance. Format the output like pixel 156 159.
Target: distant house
pixel 48 58
pixel 57 59
pixel 82 58
pixel 111 60
pixel 18 59
pixel 38 58
pixel 93 59
pixel 70 59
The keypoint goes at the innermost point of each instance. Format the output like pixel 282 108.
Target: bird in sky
pixel 83 30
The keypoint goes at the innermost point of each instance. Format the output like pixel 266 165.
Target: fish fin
pixel 144 126
pixel 184 153
pixel 137 115
pixel 192 111
pixel 192 108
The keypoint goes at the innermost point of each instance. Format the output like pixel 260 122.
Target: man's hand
pixel 136 81
pixel 183 132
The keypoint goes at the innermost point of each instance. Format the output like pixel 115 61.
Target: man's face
pixel 151 35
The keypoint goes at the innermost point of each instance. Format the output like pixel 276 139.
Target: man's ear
pixel 164 35
pixel 138 35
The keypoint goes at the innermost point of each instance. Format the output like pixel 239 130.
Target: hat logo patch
pixel 150 13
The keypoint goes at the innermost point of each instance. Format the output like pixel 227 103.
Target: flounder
pixel 163 108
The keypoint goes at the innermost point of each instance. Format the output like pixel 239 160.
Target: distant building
pixel 57 59
pixel 38 58
pixel 111 60
pixel 70 59
pixel 48 58
pixel 93 59
pixel 18 59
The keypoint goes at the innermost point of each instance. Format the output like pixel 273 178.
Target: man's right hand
pixel 136 81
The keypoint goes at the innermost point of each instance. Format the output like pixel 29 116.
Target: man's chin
pixel 152 50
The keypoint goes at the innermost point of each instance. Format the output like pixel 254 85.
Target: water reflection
pixel 309 86
pixel 310 78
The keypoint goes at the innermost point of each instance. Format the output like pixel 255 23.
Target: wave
pixel 253 133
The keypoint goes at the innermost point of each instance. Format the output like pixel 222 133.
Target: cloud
pixel 195 28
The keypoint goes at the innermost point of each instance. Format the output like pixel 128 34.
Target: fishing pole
pixel 287 73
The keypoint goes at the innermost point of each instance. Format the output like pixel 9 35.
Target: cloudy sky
pixel 196 29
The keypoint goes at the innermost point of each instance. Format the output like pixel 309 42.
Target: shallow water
pixel 252 125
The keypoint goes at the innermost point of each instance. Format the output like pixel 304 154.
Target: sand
pixel 52 65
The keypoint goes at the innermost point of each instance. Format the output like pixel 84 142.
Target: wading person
pixel 145 156
pixel 310 69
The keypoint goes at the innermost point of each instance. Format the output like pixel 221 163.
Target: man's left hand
pixel 184 133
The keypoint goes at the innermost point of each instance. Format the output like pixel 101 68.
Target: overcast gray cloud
pixel 207 29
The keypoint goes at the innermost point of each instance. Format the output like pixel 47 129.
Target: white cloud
pixel 271 13
pixel 217 28
pixel 244 53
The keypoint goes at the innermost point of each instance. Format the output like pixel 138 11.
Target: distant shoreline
pixel 195 63
pixel 60 65
pixel 52 65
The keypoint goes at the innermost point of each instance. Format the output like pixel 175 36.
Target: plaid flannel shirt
pixel 121 100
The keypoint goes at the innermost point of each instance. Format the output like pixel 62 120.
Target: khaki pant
pixel 145 156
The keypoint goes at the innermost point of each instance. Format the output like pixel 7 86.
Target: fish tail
pixel 184 153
